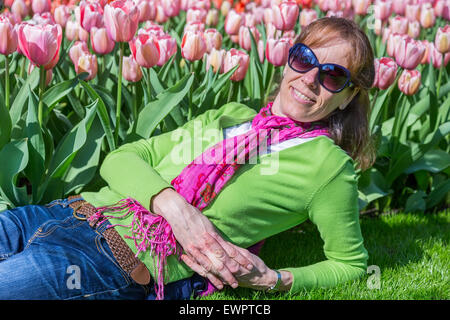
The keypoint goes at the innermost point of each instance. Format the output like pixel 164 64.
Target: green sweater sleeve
pixel 334 210
pixel 142 182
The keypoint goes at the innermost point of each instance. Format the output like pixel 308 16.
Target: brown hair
pixel 349 128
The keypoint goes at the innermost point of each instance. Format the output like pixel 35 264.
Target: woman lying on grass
pixel 225 194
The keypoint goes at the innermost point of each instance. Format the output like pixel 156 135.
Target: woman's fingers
pixel 235 254
pixel 210 260
pixel 201 271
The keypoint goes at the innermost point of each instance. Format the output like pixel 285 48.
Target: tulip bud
pixel 40 43
pixel 409 82
pixel 40 6
pixel 62 15
pixel 147 10
pixel 167 48
pixel 131 71
pixel 245 40
pixel 285 15
pixel 171 7
pixel 393 41
pixel 233 58
pixel 307 16
pixel 399 6
pixel 193 46
pixel 196 15
pixel 398 24
pixel 414 29
pixel 213 39
pixel 442 9
pixel 101 43
pixel 261 50
pixel 20 9
pixel 87 63
pixel 196 26
pixel 215 60
pixel 121 19
pixel 77 50
pixel 212 18
pixel 91 15
pixel 72 30
pixel 435 57
pixel 412 12
pixel 8 37
pixel 385 73
pixel 277 51
pixel 145 50
pixel 225 8
pixel 409 53
pixel 442 40
pixel 427 16
pixel 233 22
pixel 361 6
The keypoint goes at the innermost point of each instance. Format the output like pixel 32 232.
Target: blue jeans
pixel 46 253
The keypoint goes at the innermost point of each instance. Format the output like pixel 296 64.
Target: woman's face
pixel 302 97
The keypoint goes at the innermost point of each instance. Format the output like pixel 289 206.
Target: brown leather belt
pixel 121 251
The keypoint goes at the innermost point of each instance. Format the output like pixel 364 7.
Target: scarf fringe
pixel 149 231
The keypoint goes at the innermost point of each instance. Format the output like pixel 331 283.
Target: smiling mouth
pixel 300 97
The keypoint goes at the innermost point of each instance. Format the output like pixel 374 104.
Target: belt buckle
pixel 74 213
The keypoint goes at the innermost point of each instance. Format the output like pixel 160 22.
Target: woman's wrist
pixel 285 281
pixel 166 202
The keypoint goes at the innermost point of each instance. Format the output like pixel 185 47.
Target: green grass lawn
pixel 410 250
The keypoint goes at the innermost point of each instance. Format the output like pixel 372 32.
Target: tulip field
pixel 78 79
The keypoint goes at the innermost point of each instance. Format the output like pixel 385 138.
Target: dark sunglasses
pixel 332 77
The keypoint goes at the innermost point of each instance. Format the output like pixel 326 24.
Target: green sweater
pixel 313 180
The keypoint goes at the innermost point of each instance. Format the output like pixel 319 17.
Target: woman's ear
pixel 349 99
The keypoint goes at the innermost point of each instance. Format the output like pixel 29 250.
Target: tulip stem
pixel 191 91
pixel 441 69
pixel 119 94
pixel 42 74
pixel 7 82
pixel 269 86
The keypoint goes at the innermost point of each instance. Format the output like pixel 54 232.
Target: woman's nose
pixel 310 78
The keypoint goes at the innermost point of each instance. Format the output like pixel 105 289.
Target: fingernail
pixel 234 285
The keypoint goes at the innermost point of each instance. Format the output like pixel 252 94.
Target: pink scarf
pixel 202 180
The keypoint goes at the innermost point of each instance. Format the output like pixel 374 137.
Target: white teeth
pixel 301 96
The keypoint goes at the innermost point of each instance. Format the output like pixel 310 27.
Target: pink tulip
pixel 40 6
pixel 393 41
pixel 277 51
pixel 147 10
pixel 212 18
pixel 409 82
pixel 160 14
pixel 233 22
pixel 193 46
pixel 77 50
pixel 202 4
pixel 399 6
pixel 121 19
pixel 442 40
pixel 87 63
pixel 213 39
pixel 307 16
pixel 412 12
pixel 361 6
pixel 91 15
pixel 101 43
pixel 285 15
pixel 261 54
pixel 272 32
pixel 215 60
pixel 196 15
pixel 72 30
pixel 233 58
pixel 167 48
pixel 194 27
pixel 83 35
pixel 43 18
pixel 62 15
pixel 398 24
pixel 383 10
pixel 409 53
pixel 152 28
pixel 268 16
pixel 385 73
pixel 414 29
pixel 171 7
pixel 145 50
pixel 8 3
pixel 11 17
pixel 131 71
pixel 435 57
pixel 427 16
pixel 442 9
pixel 20 9
pixel 40 43
pixel 245 40
pixel 225 8
pixel 8 37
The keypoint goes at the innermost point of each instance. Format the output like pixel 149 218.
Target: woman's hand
pixel 216 258
pixel 260 277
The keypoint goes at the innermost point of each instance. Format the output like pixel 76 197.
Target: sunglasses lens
pixel 333 77
pixel 302 59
